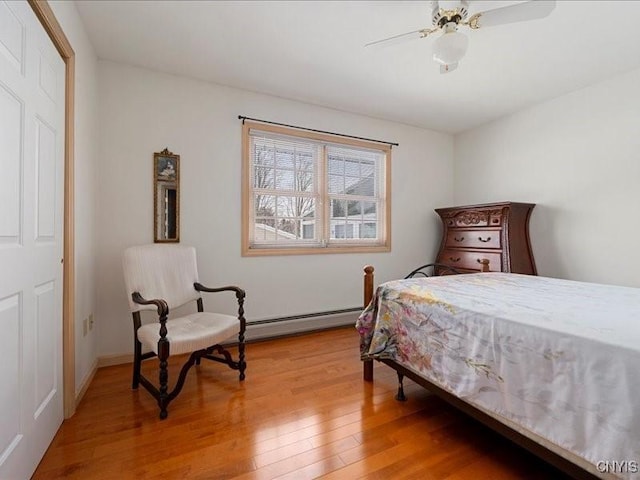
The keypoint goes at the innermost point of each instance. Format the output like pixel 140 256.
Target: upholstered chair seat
pixel 190 333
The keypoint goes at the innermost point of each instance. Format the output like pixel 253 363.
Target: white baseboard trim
pixel 263 331
pixel 115 359
pixel 86 382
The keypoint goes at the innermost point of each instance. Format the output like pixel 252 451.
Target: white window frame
pixel 325 244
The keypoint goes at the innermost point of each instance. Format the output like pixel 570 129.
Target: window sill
pixel 263 252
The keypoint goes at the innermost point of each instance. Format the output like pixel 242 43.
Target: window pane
pixel 308 230
pixel 344 230
pixel 284 180
pixel 264 230
pixel 361 171
pixel 263 177
pixel 304 161
pixel 338 208
pixel 294 206
pixel 290 180
pixel 349 230
pixel 284 158
pixel 352 167
pixel 360 186
pixel 283 164
pixel 336 165
pixel 304 181
pixel 367 169
pixel 263 155
pixel 368 230
pixel 265 205
pixel 295 229
pixel 353 209
pixel 288 225
pixel 369 209
pixel 336 184
pixel 337 229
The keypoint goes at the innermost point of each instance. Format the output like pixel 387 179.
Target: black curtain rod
pixel 243 118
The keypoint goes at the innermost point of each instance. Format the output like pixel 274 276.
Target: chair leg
pixel 163 356
pixel 242 365
pixel 137 361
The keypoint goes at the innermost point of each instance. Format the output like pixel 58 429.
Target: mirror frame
pixel 161 162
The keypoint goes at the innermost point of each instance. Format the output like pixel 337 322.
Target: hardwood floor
pixel 303 412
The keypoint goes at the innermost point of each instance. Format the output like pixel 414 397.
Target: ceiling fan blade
pixel 520 12
pixel 448 68
pixel 403 37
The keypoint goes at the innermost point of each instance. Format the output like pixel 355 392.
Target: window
pixel 313 193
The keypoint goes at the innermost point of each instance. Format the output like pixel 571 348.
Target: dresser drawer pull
pixel 461 239
pixel 484 240
pixel 455 259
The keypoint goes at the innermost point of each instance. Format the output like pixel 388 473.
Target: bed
pixel 552 364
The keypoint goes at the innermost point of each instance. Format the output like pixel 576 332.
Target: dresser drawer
pixel 470 260
pixel 477 218
pixel 473 239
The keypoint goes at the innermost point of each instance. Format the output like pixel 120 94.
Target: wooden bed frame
pixel 532 446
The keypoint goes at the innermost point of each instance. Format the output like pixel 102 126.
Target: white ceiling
pixel 313 52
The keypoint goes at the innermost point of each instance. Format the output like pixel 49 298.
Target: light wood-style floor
pixel 303 412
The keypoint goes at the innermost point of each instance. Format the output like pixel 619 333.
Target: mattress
pixel 557 360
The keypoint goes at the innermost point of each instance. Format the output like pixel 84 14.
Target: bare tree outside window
pixel 263 178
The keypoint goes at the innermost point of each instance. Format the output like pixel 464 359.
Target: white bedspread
pixel 560 359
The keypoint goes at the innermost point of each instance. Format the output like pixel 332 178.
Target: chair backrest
pixel 161 271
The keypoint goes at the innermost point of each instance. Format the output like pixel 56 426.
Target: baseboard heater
pixel 304 315
pixel 273 327
pixel 291 324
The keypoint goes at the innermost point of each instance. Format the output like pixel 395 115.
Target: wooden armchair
pixel 163 277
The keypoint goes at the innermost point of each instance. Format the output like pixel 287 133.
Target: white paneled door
pixel 31 239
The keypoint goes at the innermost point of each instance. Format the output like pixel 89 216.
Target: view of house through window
pixel 313 193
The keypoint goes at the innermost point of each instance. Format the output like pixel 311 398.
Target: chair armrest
pixel 240 293
pixel 163 308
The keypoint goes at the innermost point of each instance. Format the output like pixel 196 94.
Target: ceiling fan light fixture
pixel 450 47
pixel 448 15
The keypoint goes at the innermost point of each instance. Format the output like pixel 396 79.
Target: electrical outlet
pixel 91 321
pixel 85 327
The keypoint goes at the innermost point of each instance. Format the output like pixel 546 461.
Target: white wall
pixel 86 131
pixel 578 158
pixel 142 112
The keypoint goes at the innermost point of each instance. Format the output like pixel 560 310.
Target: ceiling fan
pixel 447 16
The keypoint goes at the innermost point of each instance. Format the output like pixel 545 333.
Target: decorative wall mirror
pixel 166 196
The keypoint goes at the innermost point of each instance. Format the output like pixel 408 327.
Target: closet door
pixel 31 239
